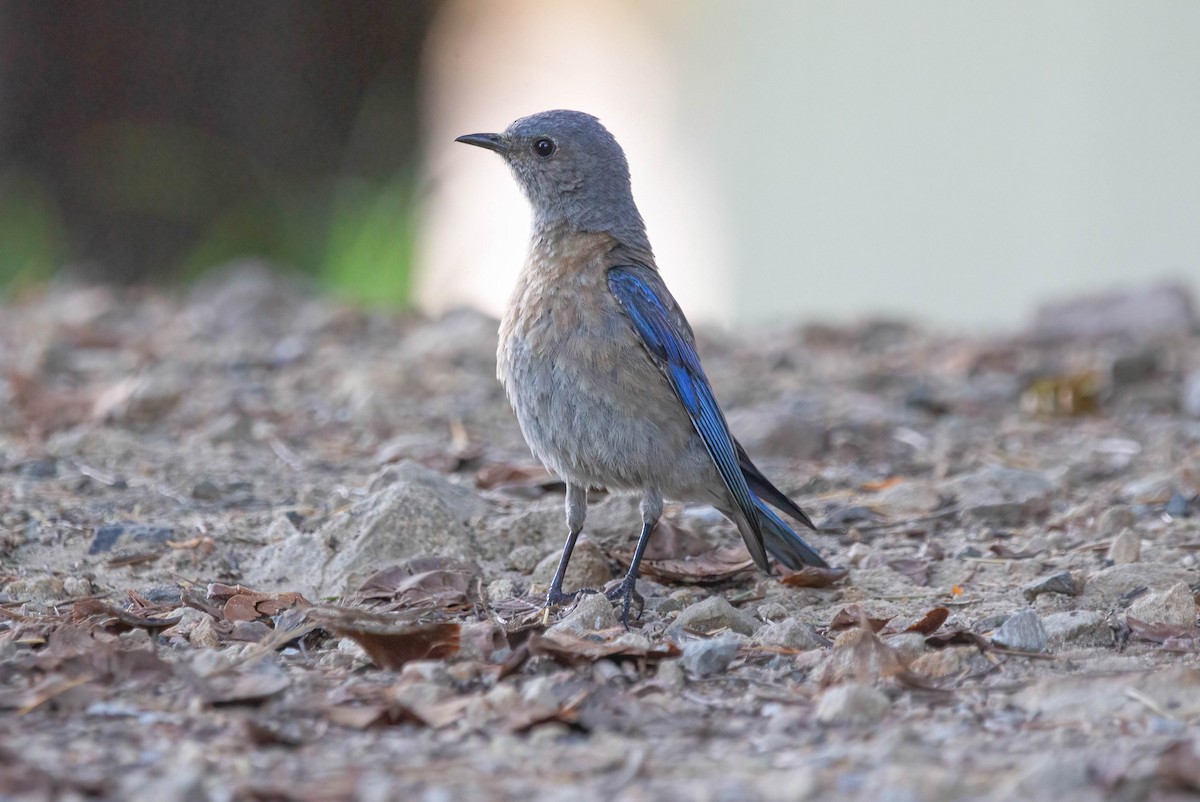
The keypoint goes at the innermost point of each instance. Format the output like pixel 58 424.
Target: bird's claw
pixel 626 593
pixel 557 597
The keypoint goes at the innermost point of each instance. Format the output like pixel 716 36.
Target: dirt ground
pixel 257 545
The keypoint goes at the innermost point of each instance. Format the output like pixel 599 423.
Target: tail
pixel 783 543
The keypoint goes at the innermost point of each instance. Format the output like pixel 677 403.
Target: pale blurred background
pixel 951 162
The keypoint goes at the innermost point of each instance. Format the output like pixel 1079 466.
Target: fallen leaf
pixel 442 583
pixel 1179 766
pixel 243 604
pixel 931 622
pixel 117 621
pixel 854 616
pixel 391 639
pixel 573 649
pixel 503 475
pixel 958 637
pixel 812 577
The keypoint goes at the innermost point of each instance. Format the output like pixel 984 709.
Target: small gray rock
pixel 589 568
pixel 1062 582
pixel 1022 631
pixel 791 633
pixel 852 703
pixel 1080 628
pixel 1175 607
pixel 1115 520
pixel 702 658
pixel 1126 548
pixel 524 558
pixel 1002 496
pixel 592 613
pixel 1148 309
pixel 1189 394
pixel 1106 587
pixel 712 614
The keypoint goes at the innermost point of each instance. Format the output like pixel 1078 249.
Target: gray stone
pixel 1126 548
pixel 1079 628
pixel 908 645
pixel 712 614
pixel 790 633
pixel 1115 520
pixel 702 658
pixel 1148 309
pixel 852 703
pixel 500 589
pixel 772 611
pixel 294 563
pixel 1106 587
pixel 1023 631
pixel 1175 607
pixel 1062 582
pixel 1001 496
pixel 524 558
pixel 589 568
pixel 1189 394
pixel 592 612
pixel 913 497
pixel 419 513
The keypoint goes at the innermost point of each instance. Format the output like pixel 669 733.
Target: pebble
pixel 1126 548
pixel 1001 496
pixel 1062 582
pixel 592 612
pixel 772 611
pixel 1107 586
pixel 670 674
pixel 702 658
pixel 852 703
pixel 1175 607
pixel 791 633
pixel 589 567
pixel 1023 631
pixel 947 662
pixel 204 634
pixel 712 614
pixel 1189 394
pixel 1179 506
pixel 1115 520
pixel 524 559
pixel 499 589
pixel 1080 628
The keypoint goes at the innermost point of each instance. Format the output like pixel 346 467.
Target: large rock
pixel 852 703
pixel 1175 607
pixel 412 512
pixel 712 614
pixel 589 568
pixel 1106 587
pixel 592 613
pixel 1077 628
pixel 1154 309
pixel 1001 496
pixel 1022 631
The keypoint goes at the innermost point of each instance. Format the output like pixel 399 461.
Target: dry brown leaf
pixel 117 621
pixel 428 583
pixel 243 604
pixel 930 623
pixel 854 616
pixel 959 637
pixel 1179 766
pixel 392 640
pixel 812 577
pixel 572 649
pixel 504 475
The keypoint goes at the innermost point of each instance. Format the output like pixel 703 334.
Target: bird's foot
pixel 556 596
pixel 626 593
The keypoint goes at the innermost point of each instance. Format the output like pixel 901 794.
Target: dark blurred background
pixel 148 140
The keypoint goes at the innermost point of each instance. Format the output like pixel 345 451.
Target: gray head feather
pixel 574 173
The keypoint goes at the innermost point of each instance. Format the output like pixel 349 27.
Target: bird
pixel 600 364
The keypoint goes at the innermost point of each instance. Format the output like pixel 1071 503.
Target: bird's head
pixel 571 169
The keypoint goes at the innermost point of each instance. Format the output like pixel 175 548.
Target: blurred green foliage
pixel 31 233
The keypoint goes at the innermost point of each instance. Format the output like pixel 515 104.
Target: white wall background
pixel 952 162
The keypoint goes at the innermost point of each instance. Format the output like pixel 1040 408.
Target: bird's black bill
pixel 490 141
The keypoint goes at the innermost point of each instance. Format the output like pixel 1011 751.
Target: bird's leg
pixel 651 506
pixel 576 513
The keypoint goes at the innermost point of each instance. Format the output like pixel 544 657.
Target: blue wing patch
pixel 669 342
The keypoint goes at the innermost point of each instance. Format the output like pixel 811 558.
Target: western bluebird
pixel 599 362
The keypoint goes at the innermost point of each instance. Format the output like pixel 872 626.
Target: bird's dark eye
pixel 543 148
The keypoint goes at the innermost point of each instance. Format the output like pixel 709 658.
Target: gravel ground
pixel 256 545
